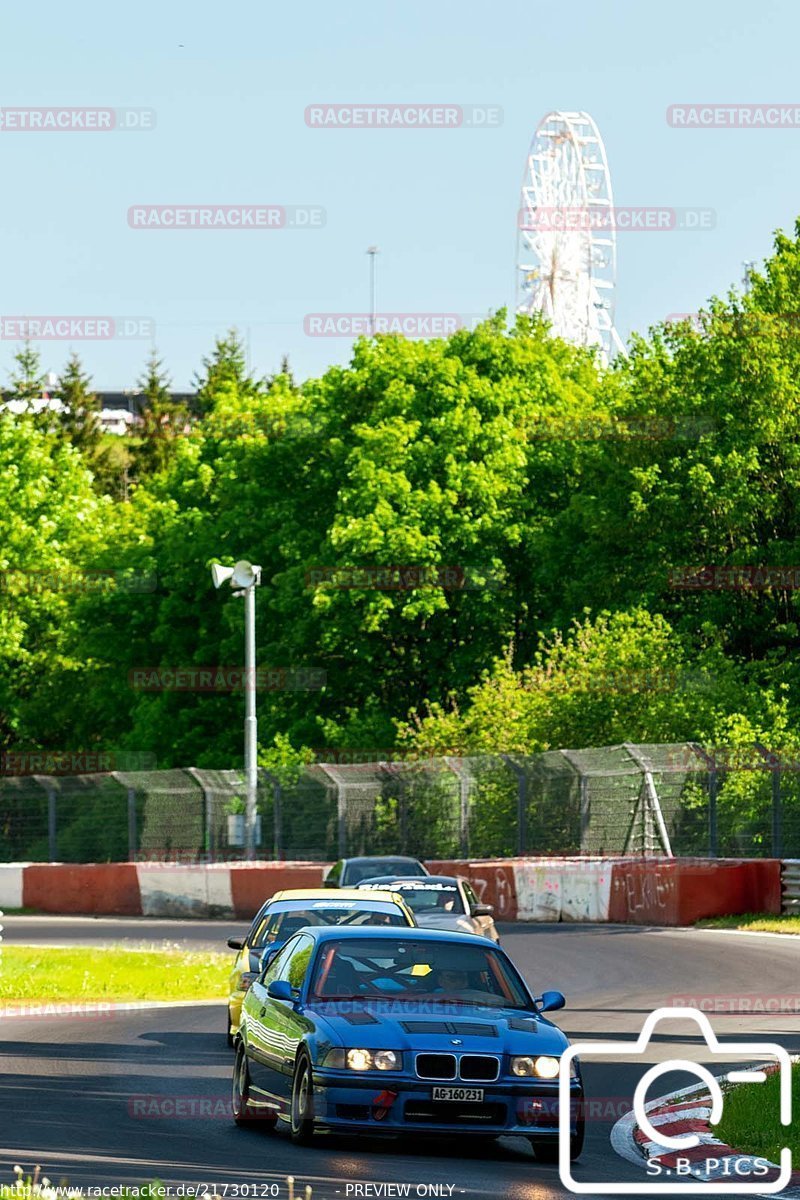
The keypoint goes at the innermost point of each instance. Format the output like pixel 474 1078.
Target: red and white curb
pixel 689 1111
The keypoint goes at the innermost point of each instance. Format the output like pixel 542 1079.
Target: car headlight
pixel 373 1060
pixel 543 1067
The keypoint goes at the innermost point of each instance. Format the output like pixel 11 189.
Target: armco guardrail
pixel 625 890
pixel 790 885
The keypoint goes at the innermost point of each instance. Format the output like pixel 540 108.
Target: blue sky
pixel 230 86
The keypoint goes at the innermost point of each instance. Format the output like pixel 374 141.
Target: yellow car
pixel 286 912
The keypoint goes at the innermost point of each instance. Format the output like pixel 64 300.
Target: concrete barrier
pixel 11 885
pixel 110 888
pixel 185 891
pixel 628 891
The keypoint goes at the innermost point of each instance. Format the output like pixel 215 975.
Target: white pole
pixel 250 722
pixel 372 252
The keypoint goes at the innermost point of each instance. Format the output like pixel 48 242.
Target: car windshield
pixel 431 898
pixel 430 971
pixel 286 918
pixel 369 868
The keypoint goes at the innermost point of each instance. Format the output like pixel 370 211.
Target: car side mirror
pixel 482 910
pixel 280 989
pixel 236 943
pixel 550 1001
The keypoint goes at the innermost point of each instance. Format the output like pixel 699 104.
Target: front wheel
pixel 302 1111
pixel 244 1111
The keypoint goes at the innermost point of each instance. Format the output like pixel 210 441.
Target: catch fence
pixel 644 800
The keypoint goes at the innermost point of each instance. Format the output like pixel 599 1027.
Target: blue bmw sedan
pixel 390 1031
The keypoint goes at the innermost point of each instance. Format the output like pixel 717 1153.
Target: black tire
pixel 244 1112
pixel 301 1120
pixel 577 1140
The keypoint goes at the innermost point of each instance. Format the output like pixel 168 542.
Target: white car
pixel 441 902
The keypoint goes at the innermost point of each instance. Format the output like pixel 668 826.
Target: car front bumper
pixel 406 1105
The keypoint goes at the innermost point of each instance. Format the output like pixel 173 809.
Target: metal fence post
pixel 52 848
pixel 132 830
pixel 522 802
pixel 209 846
pixel 463 806
pixel 341 809
pixel 277 828
pixel 777 811
pixel 773 764
pixel 713 829
pixel 585 809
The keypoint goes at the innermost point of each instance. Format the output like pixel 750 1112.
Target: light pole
pixel 372 252
pixel 246 577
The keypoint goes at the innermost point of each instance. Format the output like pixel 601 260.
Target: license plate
pixel 462 1094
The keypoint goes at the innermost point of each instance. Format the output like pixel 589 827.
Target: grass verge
pixel 33 973
pixel 755 922
pixel 750 1120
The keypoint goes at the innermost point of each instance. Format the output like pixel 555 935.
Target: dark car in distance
pixel 348 872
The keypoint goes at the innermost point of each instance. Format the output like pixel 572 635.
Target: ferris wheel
pixel 566 243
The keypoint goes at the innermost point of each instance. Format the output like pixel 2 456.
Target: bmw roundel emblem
pixel 455 1041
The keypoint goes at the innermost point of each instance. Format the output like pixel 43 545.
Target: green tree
pixel 223 371
pixel 28 380
pixel 164 420
pixel 78 418
pixel 51 526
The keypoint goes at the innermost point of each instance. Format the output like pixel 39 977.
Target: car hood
pixel 396 1025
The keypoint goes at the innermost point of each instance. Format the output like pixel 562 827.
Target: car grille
pixel 436 1066
pixel 474 1068
pixel 479 1067
pixel 353 1112
pixel 430 1112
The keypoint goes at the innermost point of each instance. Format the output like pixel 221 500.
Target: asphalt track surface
pixel 69 1084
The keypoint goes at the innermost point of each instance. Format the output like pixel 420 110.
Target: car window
pixel 433 898
pixel 274 969
pixel 295 967
pixel 257 933
pixel 430 971
pixel 472 899
pixel 372 868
